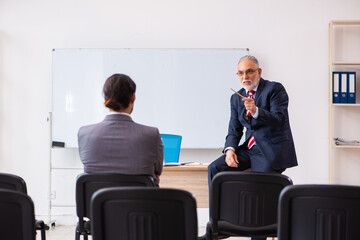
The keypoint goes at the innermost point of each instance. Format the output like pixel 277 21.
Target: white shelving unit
pixel 344 119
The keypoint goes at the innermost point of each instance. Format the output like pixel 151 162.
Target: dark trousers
pixel 248 158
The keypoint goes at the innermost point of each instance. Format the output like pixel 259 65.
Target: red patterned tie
pixel 252 139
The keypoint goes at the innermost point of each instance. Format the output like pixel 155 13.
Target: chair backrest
pixel 319 212
pixel 12 182
pixel 88 183
pixel 172 144
pixel 17 217
pixel 124 213
pixel 246 198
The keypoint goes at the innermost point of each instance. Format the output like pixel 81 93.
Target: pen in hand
pixel 238 93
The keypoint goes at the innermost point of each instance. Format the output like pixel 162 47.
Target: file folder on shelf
pixel 343 88
pixel 336 87
pixel 351 77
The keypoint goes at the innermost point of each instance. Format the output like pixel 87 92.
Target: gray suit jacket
pixel 119 145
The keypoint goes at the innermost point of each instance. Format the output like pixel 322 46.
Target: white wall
pixel 289 37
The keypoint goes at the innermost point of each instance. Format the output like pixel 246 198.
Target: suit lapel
pixel 243 92
pixel 243 111
pixel 259 90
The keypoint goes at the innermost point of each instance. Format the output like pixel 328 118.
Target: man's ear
pixel 260 71
pixel 133 98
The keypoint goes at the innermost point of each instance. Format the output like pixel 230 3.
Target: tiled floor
pixel 61 232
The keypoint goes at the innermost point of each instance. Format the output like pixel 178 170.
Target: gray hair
pixel 249 57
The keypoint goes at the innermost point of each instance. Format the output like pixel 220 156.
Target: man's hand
pixel 250 105
pixel 231 158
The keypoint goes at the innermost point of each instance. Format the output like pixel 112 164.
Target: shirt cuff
pixel 228 149
pixel 256 113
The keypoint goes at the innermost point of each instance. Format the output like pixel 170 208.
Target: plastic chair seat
pixel 231 229
pixel 17 183
pixel 88 183
pixel 17 216
pixel 143 214
pixel 245 204
pixel 313 212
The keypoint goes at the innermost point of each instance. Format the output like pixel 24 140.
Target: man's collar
pixel 255 89
pixel 122 113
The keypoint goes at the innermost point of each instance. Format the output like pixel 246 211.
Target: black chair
pixel 319 212
pixel 88 183
pixel 127 213
pixel 16 183
pixel 244 204
pixel 17 218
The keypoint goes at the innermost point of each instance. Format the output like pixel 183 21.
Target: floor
pixel 61 232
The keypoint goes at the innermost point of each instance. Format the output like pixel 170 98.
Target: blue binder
pixel 343 88
pixel 351 83
pixel 336 87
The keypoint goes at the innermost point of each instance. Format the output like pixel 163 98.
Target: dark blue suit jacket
pixel 271 129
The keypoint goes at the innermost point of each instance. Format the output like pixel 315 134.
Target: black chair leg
pixel 77 234
pixel 40 225
pixel 208 232
pixel 43 235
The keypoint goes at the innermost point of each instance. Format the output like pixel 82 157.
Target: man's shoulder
pixel 146 128
pixel 87 128
pixel 270 83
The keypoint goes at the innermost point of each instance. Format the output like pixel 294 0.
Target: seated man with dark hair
pixel 118 144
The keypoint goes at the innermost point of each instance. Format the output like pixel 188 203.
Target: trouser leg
pixel 215 167
pixel 219 165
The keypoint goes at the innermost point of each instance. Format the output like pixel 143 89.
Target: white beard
pixel 248 88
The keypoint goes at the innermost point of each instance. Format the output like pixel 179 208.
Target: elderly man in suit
pixel 262 110
pixel 118 144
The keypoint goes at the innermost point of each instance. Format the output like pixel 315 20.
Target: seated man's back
pixel 118 144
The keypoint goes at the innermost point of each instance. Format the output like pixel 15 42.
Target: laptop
pixel 172 144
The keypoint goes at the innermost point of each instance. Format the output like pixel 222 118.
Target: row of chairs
pixel 241 204
pixel 269 205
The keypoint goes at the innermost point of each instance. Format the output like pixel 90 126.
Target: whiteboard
pixel 180 91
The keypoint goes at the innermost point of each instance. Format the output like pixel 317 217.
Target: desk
pixel 189 178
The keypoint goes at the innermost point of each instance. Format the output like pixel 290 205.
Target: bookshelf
pixel 344 118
